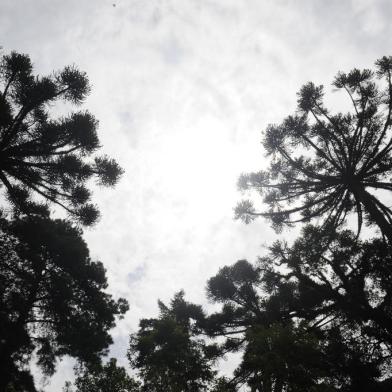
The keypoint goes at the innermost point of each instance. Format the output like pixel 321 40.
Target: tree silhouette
pixel 315 316
pixel 43 160
pixel 168 353
pixel 104 378
pixel 343 291
pixel 52 299
pixel 277 355
pixel 283 358
pixel 324 165
pixel 339 277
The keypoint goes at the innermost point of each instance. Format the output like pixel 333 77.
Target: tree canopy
pixel 168 353
pixel 327 165
pixel 311 317
pixel 45 160
pixel 103 378
pixel 52 298
pixel 307 318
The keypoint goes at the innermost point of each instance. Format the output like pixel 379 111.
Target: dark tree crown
pixel 103 378
pixel 324 164
pixel 44 161
pixel 312 317
pixel 52 297
pixel 167 352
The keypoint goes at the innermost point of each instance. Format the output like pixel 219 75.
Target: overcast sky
pixel 182 90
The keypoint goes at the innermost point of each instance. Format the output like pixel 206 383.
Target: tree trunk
pixel 375 214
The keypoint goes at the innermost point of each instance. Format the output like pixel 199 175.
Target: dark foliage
pixel 52 299
pixel 342 278
pixel 44 160
pixel 277 354
pixel 104 378
pixel 168 352
pixel 326 165
pixel 323 324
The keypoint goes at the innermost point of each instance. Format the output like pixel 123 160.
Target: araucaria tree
pixel 44 160
pixel 328 165
pixel 313 317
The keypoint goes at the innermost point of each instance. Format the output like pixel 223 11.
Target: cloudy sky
pixel 183 89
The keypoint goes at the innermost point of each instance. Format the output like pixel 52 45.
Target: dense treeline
pixel 311 315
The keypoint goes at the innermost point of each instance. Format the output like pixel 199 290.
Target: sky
pixel 183 90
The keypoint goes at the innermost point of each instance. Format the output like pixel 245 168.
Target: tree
pixel 278 355
pixel 44 160
pixel 52 299
pixel 343 291
pixel 168 352
pixel 104 378
pixel 314 317
pixel 223 384
pixel 339 277
pixel 283 357
pixel 325 165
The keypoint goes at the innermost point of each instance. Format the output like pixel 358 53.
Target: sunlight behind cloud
pixel 198 166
